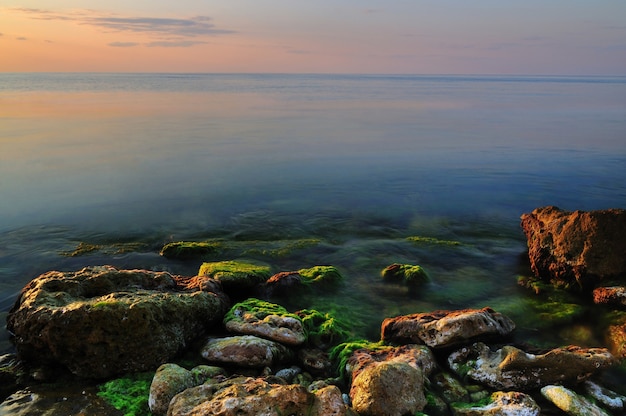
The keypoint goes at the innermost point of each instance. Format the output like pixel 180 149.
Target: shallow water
pixel 358 162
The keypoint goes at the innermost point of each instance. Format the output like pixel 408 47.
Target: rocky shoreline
pixel 252 356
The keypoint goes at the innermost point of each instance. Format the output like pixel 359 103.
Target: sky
pixel 547 37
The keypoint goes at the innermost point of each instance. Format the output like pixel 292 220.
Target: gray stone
pixel 570 402
pixel 246 351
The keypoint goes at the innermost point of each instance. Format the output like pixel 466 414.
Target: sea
pixel 294 171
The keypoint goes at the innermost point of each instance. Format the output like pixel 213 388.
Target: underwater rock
pixel 246 351
pixel 614 295
pixel 411 275
pixel 570 402
pixel 185 250
pixel 246 396
pixel 265 320
pixel 512 368
pixel 235 275
pixel 607 398
pixel 576 247
pixel 101 321
pixel 501 404
pixel 441 329
pixel 450 389
pixel 12 375
pixel 388 388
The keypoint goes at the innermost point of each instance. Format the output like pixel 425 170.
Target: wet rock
pixel 440 329
pixel 614 295
pixel 282 283
pixel 388 388
pixel 246 351
pixel 512 368
pixel 417 356
pixel 616 337
pixel 234 275
pixel 171 379
pixel 570 402
pixel 607 398
pixel 243 396
pixel 288 374
pixel 411 275
pixel 266 320
pixel 577 247
pixel 99 322
pixel 450 388
pixel 315 361
pixel 501 404
pixel 13 375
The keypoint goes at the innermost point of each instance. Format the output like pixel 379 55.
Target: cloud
pixel 174 44
pixel 163 29
pixel 123 44
pixel 22 38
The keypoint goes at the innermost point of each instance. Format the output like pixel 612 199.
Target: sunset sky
pixel 560 37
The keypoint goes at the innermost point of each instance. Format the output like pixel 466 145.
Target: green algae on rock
pixel 185 250
pixel 411 275
pixel 235 274
pixel 323 329
pixel 432 241
pixel 129 394
pixel 320 274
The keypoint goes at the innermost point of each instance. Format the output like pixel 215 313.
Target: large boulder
pixel 417 356
pixel 576 247
pixel 512 368
pixel 100 321
pixel 440 329
pixel 245 396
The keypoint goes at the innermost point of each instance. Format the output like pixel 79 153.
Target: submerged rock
pixel 440 329
pixel 245 396
pixel 512 368
pixel 388 388
pixel 570 402
pixel 101 321
pixel 235 275
pixel 411 275
pixel 501 404
pixel 246 351
pixel 266 320
pixel 576 247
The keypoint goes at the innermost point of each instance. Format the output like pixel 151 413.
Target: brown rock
pixel 388 388
pixel 576 247
pixel 100 321
pixel 502 404
pixel 246 351
pixel 440 329
pixel 512 368
pixel 614 295
pixel 417 356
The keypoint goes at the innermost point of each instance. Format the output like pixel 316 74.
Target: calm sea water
pixel 359 162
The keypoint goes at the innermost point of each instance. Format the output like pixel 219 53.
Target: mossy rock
pixel 259 308
pixel 432 241
pixel 185 250
pixel 342 352
pixel 321 274
pixel 128 394
pixel 323 329
pixel 411 275
pixel 235 274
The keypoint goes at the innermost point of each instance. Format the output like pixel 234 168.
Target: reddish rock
pixel 614 295
pixel 576 247
pixel 445 328
pixel 417 356
pixel 99 321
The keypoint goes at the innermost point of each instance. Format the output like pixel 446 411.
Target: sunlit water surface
pixel 357 162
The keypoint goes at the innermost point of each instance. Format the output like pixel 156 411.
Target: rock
pixel 246 351
pixel 243 396
pixel 315 361
pixel 576 247
pixel 417 356
pixel 388 388
pixel 185 250
pixel 411 275
pixel 284 282
pixel 614 295
pixel 450 389
pixel 99 322
pixel 616 337
pixel 441 329
pixel 570 402
pixel 171 379
pixel 234 275
pixel 323 329
pixel 607 398
pixel 512 368
pixel 288 374
pixel 266 320
pixel 321 274
pixel 501 404
pixel 13 376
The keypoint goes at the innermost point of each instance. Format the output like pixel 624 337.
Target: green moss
pixel 84 248
pixel 259 308
pixel 185 250
pixel 480 403
pixel 323 329
pixel 277 249
pixel 342 352
pixel 235 274
pixel 412 275
pixel 128 394
pixel 317 274
pixel 432 241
